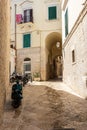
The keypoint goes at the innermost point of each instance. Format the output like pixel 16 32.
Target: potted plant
pixel 36 76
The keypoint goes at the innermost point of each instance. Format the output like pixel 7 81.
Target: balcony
pixel 27 19
pixel 23 19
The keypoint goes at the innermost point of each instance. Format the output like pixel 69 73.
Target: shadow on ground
pixel 44 108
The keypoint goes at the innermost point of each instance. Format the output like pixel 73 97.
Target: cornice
pixel 29 1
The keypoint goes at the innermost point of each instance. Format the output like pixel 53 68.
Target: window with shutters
pixel 28 15
pixel 26 40
pixel 66 23
pixel 52 12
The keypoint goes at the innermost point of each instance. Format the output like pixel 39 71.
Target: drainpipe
pixel 40 55
pixel 15 40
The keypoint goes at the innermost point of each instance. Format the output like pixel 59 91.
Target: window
pixel 52 12
pixel 26 40
pixel 66 22
pixel 73 56
pixel 27 66
pixel 28 15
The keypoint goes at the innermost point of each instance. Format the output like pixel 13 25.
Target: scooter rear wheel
pixel 16 104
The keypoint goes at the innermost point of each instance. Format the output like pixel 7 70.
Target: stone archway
pixel 53 56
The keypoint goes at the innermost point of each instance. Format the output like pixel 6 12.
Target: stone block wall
pixel 4 52
pixel 34 54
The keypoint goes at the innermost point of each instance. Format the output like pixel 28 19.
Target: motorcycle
pixel 14 77
pixel 25 79
pixel 16 96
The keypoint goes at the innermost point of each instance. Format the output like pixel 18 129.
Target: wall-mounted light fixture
pixel 58 44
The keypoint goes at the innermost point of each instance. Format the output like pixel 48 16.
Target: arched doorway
pixel 54 56
pixel 27 66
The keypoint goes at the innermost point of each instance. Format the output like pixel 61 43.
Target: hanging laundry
pixel 19 18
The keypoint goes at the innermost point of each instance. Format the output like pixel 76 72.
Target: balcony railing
pixel 27 19
pixel 24 19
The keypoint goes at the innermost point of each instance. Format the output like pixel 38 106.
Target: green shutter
pixel 26 40
pixel 52 12
pixel 66 22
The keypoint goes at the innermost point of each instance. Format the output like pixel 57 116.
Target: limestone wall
pixel 33 54
pixel 73 13
pixel 75 73
pixel 39 30
pixel 4 52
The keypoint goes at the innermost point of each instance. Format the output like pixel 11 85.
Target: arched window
pixel 27 66
pixel 27 59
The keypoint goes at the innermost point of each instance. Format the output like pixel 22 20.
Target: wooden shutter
pixel 52 12
pixel 31 15
pixel 66 23
pixel 26 40
pixel 25 16
pixel 28 15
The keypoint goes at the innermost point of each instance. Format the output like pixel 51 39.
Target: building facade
pixel 74 26
pixel 38 37
pixel 12 62
pixel 4 52
pixel 12 59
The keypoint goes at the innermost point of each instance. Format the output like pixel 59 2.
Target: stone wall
pixel 75 73
pixel 4 52
pixel 34 54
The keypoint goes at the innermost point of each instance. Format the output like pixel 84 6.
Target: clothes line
pixel 19 18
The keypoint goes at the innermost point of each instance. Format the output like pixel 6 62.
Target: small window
pixel 26 40
pixel 52 13
pixel 73 56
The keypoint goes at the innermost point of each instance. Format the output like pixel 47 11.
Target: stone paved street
pixel 44 108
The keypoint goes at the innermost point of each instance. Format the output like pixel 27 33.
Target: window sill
pixel 52 20
pixel 30 24
pixel 26 47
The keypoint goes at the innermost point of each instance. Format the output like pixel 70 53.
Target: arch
pixel 53 65
pixel 27 59
pixel 52 39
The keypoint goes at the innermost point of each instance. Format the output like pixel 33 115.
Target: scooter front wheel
pixel 16 104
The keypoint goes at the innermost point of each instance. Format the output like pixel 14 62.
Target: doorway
pixel 54 56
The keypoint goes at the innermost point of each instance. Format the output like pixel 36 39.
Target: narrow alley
pixel 45 108
pixel 40 41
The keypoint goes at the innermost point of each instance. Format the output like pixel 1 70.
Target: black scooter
pixel 16 97
pixel 25 80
